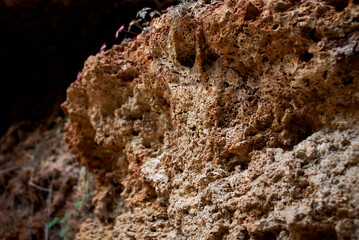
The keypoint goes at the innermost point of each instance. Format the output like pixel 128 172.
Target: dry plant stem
pixel 39 188
pixel 11 169
pixel 46 232
pixel 48 206
pixel 48 203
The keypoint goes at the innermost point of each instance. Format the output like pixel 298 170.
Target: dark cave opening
pixel 44 45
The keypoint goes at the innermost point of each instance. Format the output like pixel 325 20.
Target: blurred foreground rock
pixel 39 182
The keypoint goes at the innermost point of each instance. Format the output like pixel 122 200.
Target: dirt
pixel 39 182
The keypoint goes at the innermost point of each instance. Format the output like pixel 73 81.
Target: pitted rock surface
pixel 228 120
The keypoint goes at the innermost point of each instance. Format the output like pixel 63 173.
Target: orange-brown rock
pixel 228 120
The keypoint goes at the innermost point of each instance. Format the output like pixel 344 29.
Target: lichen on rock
pixel 228 120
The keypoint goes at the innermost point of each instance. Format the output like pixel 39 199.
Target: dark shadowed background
pixel 44 44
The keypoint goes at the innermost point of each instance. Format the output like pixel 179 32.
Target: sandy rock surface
pixel 228 120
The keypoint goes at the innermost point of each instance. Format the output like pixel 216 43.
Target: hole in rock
pixel 313 35
pixel 345 142
pixel 269 236
pixel 252 12
pixel 232 161
pixel 128 79
pixel 306 56
pixel 233 164
pixel 246 235
pixel 339 4
pixel 136 117
pixel 213 57
pixel 356 19
pixel 250 99
pixel 135 133
pixel 348 80
pixel 318 234
pixel 325 74
pixel 299 128
pixel 118 188
pixel 187 61
pixel 223 231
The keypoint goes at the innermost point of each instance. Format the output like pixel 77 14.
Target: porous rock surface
pixel 228 120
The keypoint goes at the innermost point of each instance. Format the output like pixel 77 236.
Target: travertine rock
pixel 228 120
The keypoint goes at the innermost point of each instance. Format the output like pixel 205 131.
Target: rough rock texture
pixel 228 120
pixel 39 181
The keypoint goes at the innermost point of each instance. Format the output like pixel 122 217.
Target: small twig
pixel 11 169
pixel 137 25
pixel 39 188
pixel 48 204
pixel 48 210
pixel 122 29
pixel 46 232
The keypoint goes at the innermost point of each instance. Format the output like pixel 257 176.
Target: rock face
pixel 228 120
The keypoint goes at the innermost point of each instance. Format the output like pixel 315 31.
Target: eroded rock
pixel 228 120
